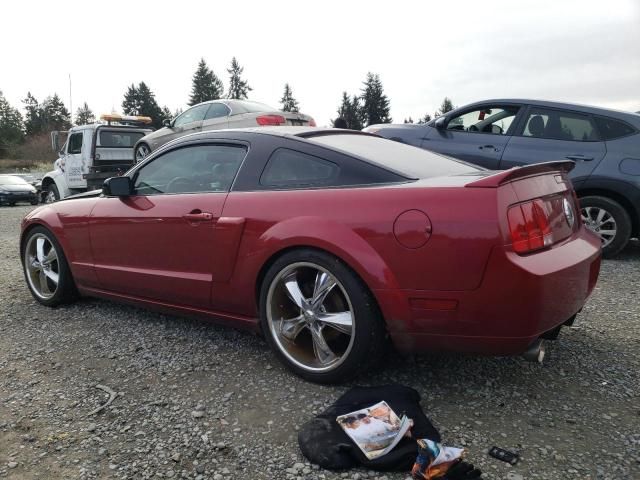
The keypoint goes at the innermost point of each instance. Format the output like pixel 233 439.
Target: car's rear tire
pixel 141 152
pixel 319 317
pixel 46 269
pixel 609 220
pixel 51 193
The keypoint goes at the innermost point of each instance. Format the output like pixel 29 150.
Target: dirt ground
pixel 199 401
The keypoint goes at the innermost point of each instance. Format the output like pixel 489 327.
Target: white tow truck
pixel 92 153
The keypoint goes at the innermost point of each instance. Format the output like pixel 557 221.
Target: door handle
pixel 577 157
pixel 197 216
pixel 482 147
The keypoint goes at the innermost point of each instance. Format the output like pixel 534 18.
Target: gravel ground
pixel 200 401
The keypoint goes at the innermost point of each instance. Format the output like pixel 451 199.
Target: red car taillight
pixel 264 120
pixel 530 226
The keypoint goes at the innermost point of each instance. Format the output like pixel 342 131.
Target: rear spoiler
pixel 515 173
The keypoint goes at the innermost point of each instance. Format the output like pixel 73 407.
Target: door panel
pixel 550 135
pixel 478 134
pixel 477 148
pixel 217 117
pixel 144 246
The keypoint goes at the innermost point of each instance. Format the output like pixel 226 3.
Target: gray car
pixel 218 115
pixel 500 134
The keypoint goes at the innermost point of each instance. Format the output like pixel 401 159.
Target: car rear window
pixel 411 162
pixel 251 107
pixel 119 139
pixel 611 129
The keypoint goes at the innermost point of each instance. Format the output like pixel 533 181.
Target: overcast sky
pixel 571 50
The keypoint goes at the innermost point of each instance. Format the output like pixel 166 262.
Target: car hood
pixel 16 188
pixel 150 137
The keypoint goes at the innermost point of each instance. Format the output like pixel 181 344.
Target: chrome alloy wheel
pixel 50 197
pixel 310 317
pixel 601 222
pixel 42 266
pixel 141 153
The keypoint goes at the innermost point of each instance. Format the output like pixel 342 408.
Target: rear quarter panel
pixel 357 226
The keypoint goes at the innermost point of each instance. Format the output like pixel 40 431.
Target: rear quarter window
pixel 611 129
pixel 296 169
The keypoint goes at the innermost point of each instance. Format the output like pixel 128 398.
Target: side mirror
pixel 440 123
pixel 54 141
pixel 117 187
pixel 167 123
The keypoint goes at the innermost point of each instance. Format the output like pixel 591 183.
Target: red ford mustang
pixel 329 242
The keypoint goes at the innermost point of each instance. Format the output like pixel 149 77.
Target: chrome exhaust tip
pixel 535 352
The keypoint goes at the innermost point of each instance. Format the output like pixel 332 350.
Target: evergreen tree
pixel 375 108
pixel 55 115
pixel 289 104
pixel 238 88
pixel 446 106
pixel 33 120
pixel 11 126
pixel 408 120
pixel 425 119
pixel 84 115
pixel 205 85
pixel 350 111
pixel 166 113
pixel 141 100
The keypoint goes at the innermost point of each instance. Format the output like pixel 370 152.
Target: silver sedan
pixel 218 115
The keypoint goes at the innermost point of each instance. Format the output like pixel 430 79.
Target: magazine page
pixel 375 430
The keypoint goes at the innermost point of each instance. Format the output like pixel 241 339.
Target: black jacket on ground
pixel 323 442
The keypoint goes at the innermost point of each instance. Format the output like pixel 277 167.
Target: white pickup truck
pixel 91 154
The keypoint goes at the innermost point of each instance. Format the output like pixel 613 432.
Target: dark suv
pixel 500 134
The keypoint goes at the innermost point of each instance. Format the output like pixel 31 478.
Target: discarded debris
pixel 112 397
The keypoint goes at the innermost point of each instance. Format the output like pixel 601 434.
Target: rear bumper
pixel 519 299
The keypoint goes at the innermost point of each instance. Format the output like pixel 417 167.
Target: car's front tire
pixel 46 269
pixel 51 193
pixel 609 220
pixel 319 317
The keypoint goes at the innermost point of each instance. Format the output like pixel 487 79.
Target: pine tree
pixel 54 114
pixel 84 115
pixel 446 106
pixel 408 120
pixel 141 100
pixel 425 119
pixel 166 113
pixel 238 88
pixel 33 120
pixel 205 85
pixel 350 111
pixel 375 108
pixel 11 126
pixel 289 104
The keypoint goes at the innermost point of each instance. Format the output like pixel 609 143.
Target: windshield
pixel 409 161
pixel 12 180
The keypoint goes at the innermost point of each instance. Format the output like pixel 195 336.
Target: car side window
pixel 217 110
pixel 75 143
pixel 194 114
pixel 191 169
pixel 611 129
pixel 559 125
pixel 290 168
pixel 492 120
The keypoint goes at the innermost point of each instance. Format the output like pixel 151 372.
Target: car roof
pixel 621 114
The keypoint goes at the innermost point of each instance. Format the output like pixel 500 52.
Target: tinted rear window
pixel 119 139
pixel 611 129
pixel 411 162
